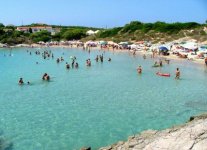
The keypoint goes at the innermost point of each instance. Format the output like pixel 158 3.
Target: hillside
pixel 155 32
pixel 11 36
pixel 134 31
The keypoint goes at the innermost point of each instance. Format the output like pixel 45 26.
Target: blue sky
pixel 101 13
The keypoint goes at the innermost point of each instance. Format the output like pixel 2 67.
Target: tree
pixel 1 25
pixel 147 27
pixel 30 30
pixel 74 34
pixel 43 35
pixel 133 26
pixel 110 32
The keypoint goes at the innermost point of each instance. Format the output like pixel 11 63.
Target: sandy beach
pixel 140 52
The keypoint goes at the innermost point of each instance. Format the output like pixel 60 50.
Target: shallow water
pixel 94 106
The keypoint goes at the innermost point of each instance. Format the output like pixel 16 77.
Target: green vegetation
pixel 43 35
pixel 74 34
pixel 110 32
pixel 158 31
pixel 146 27
pixel 9 34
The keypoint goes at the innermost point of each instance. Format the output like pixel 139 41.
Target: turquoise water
pixel 94 106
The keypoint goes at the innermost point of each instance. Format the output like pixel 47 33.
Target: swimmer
pixel 109 59
pixel 67 66
pixel 48 78
pixel 58 60
pixel 139 69
pixel 44 76
pixel 76 65
pixel 88 62
pixel 21 81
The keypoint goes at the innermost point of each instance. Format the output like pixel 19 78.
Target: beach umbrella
pixel 190 46
pixel 182 42
pixel 203 48
pixel 123 43
pixel 133 46
pixel 110 42
pixel 162 48
pixel 103 43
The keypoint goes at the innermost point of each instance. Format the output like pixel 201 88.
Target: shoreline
pixel 141 52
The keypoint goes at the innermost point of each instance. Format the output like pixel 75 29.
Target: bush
pixel 43 35
pixel 110 32
pixel 74 34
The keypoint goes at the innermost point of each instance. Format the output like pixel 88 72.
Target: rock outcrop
pixel 190 136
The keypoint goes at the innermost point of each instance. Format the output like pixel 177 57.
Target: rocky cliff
pixel 189 136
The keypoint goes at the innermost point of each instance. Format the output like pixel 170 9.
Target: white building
pixel 38 29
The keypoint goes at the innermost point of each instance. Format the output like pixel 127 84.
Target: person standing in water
pixel 177 74
pixel 139 69
pixel 134 52
pixel 73 62
pixel 96 58
pixel 160 63
pixel 76 65
pixel 206 61
pixel 58 60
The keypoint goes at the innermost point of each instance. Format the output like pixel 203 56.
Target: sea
pixel 92 106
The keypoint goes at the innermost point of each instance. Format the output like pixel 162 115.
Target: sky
pixel 101 13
